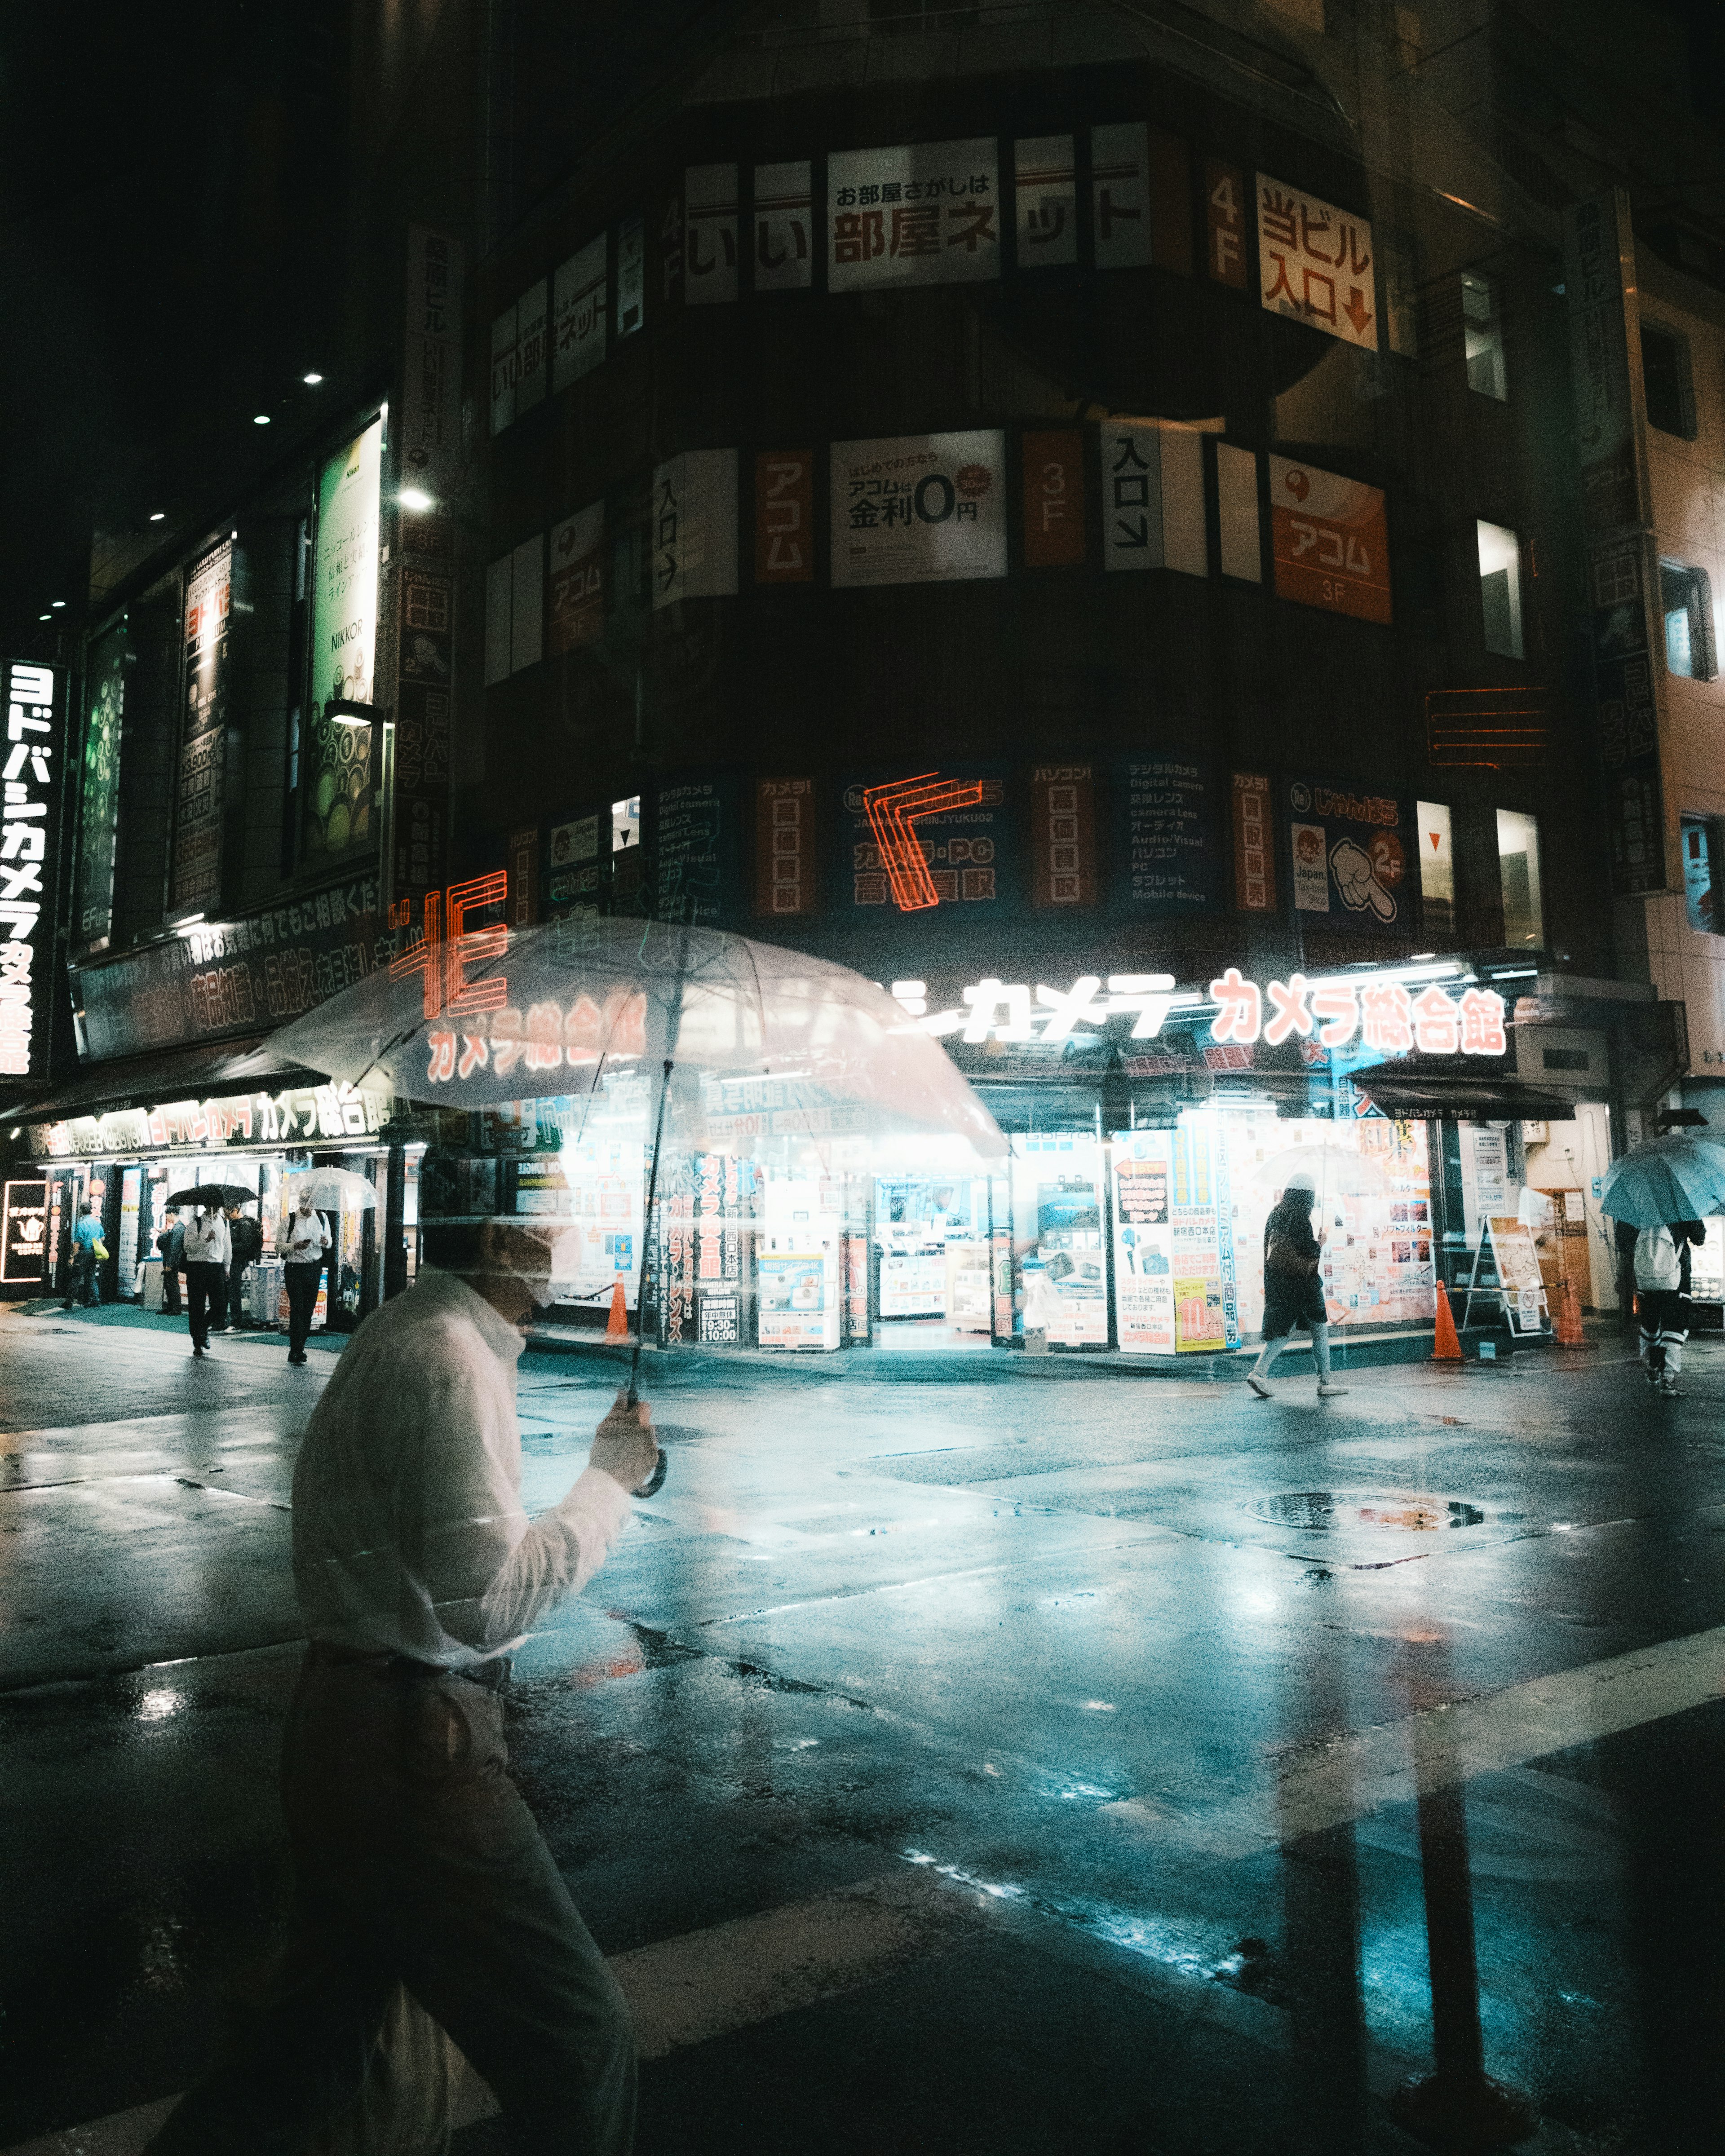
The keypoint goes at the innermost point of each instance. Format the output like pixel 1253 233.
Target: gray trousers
pixel 417 1861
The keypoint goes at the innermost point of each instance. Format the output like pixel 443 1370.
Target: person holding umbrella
pixel 417 1860
pixel 1667 1188
pixel 208 1252
pixel 303 1249
pixel 1662 1263
pixel 1293 1293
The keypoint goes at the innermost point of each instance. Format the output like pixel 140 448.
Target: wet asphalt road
pixel 1015 1766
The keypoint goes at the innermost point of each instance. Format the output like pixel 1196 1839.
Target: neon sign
pixel 448 947
pixel 30 782
pixel 892 810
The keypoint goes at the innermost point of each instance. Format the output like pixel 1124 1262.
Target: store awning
pixel 1426 1097
pixel 177 1074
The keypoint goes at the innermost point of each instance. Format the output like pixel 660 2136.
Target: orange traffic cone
pixel 1569 1332
pixel 1445 1348
pixel 617 1325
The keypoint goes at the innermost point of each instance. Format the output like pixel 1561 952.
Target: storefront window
pixel 1501 589
pixel 1701 844
pixel 1518 867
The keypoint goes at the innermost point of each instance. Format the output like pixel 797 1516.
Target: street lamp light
pixel 415 498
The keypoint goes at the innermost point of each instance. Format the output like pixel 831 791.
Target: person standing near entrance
pixel 1662 1262
pixel 172 1243
pixel 307 1241
pixel 247 1237
pixel 1293 1293
pixel 417 1861
pixel 86 1241
pixel 208 1253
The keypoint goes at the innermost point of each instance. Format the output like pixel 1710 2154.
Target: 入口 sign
pixel 1315 264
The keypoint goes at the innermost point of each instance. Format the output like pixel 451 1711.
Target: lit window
pixel 1701 852
pixel 625 823
pixel 1518 870
pixel 1501 588
pixel 1668 381
pixel 1437 871
pixel 1483 334
pixel 1685 598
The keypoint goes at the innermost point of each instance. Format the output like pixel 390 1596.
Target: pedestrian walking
pixel 208 1253
pixel 172 1243
pixel 87 1251
pixel 417 1861
pixel 303 1252
pixel 1662 1264
pixel 247 1237
pixel 1293 1293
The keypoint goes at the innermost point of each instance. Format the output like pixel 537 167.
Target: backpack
pixel 1656 1264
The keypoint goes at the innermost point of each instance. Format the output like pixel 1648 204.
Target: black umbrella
pixel 221 1195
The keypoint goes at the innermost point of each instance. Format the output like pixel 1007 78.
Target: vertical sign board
pixel 29 848
pixel 785 516
pixel 335 767
pixel 24 1259
pixel 785 865
pixel 99 794
pixel 1054 500
pixel 710 234
pixel 430 436
pixel 696 853
pixel 1349 850
pixel 695 528
pixel 1224 201
pixel 198 808
pixel 631 275
pixel 1599 255
pixel 1045 181
pixel 1254 844
pixel 424 715
pixel 580 309
pixel 1168 847
pixel 576 616
pixel 1063 834
pixel 1329 540
pixel 530 349
pixel 917 213
pixel 784 228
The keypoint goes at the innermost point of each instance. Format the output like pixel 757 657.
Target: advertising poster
pixel 1168 849
pixel 1057 1234
pixel 919 509
pixel 1045 181
pixel 424 704
pixel 431 365
pixel 1329 539
pixel 969 852
pixel 1485 1185
pixel 99 798
pixel 580 313
pixel 797 1282
pixel 131 1181
pixel 1063 834
pixel 786 869
pixel 709 233
pixel 335 760
pixel 578 581
pixel 785 516
pixel 697 853
pixel 1315 264
pixel 784 228
pixel 572 867
pixel 1202 1253
pixel 1143 1243
pixel 1349 849
pixel 919 213
pixel 198 808
pixel 723 1192
pixel 1055 535
pixel 1522 1284
pixel 1254 844
pixel 695 528
pixel 603 1206
pixel 24 1259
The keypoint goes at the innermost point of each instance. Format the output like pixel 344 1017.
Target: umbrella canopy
pixel 1675 1179
pixel 563 1005
pixel 1334 1173
pixel 332 1189
pixel 214 1195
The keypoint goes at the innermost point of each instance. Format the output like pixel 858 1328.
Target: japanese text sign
pixel 197 810
pixel 577 580
pixel 930 839
pixel 1329 538
pixel 919 213
pixel 785 516
pixel 1063 834
pixel 1254 844
pixel 1349 850
pixel 1045 181
pixel 1054 500
pixel 579 313
pixel 709 233
pixel 1315 264
pixel 695 526
pixel 35 740
pixel 919 509
pixel 784 847
pixel 784 214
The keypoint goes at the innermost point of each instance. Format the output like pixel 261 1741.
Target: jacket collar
pixel 453 1293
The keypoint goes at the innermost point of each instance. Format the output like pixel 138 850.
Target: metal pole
pixel 656 1481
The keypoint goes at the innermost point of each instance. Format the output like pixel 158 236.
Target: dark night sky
pixel 169 204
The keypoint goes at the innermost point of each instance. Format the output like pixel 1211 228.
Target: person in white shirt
pixel 417 1860
pixel 207 1252
pixel 303 1249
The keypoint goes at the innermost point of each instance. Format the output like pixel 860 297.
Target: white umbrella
pixel 331 1189
pixel 1334 1173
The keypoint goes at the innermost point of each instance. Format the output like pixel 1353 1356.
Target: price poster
pixel 1517 1263
pixel 1143 1243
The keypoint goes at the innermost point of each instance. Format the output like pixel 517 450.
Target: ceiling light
pixel 311 380
pixel 156 515
pixel 44 617
pixel 261 419
pixel 57 604
pixel 413 497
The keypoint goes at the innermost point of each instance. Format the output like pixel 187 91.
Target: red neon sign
pixel 892 810
pixel 449 947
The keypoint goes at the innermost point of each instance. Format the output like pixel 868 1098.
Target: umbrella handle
pixel 655 1481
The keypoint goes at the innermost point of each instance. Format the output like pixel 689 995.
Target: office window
pixel 1501 588
pixel 1700 870
pixel 1518 871
pixel 1482 336
pixel 625 823
pixel 1685 598
pixel 1437 871
pixel 1666 378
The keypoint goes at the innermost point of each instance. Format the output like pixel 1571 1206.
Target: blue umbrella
pixel 1674 1178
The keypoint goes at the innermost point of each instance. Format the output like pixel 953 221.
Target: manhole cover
pixel 1317 1510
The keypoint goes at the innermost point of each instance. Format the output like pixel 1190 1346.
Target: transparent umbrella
pixel 331 1190
pixel 1334 1173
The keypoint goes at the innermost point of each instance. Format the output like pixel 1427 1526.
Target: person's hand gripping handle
pixel 625 1449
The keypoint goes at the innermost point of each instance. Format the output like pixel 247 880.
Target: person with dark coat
pixel 1662 1276
pixel 172 1243
pixel 1293 1293
pixel 247 1237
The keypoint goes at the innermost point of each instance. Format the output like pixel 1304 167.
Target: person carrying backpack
pixel 1662 1262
